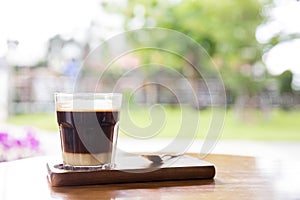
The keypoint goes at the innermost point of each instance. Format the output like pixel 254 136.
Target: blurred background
pixel 255 45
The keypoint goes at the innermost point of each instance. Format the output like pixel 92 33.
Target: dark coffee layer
pixel 87 131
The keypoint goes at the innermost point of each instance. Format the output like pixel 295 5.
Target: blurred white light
pixel 33 22
pixel 284 56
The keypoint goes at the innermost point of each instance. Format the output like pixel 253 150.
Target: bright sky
pixel 285 19
pixel 33 22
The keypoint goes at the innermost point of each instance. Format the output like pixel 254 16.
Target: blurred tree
pixel 285 82
pixel 285 89
pixel 226 29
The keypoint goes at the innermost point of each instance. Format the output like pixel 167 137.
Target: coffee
pixel 87 136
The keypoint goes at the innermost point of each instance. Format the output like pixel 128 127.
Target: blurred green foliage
pixel 285 80
pixel 226 29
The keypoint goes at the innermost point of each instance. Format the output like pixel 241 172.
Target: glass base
pixel 108 166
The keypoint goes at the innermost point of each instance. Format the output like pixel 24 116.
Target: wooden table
pixel 238 177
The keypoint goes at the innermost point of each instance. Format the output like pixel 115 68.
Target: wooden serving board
pixel 134 169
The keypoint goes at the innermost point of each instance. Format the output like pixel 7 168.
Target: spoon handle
pixel 169 156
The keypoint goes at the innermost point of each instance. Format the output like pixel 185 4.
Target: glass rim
pixel 87 94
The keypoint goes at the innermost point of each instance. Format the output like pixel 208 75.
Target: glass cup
pixel 88 125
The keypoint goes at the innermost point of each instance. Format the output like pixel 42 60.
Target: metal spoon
pixel 160 158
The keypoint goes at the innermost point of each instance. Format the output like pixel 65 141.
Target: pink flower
pixel 32 141
pixel 5 141
pixel 18 147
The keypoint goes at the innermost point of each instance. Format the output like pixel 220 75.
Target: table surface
pixel 237 177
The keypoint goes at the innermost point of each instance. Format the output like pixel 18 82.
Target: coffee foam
pixel 86 159
pixel 86 105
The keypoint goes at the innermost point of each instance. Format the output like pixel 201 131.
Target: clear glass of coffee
pixel 88 124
